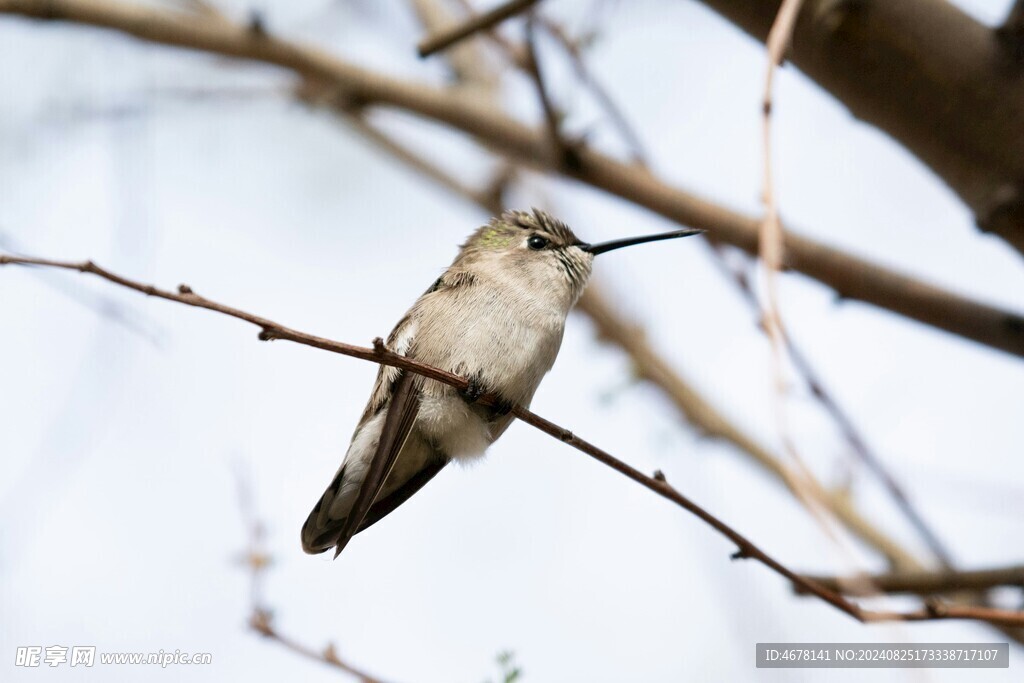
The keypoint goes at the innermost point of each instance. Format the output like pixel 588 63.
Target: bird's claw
pixel 472 393
pixel 476 390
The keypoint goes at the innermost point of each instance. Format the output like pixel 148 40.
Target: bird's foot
pixel 472 393
pixel 476 390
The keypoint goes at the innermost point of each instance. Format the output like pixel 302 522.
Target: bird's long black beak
pixel 601 248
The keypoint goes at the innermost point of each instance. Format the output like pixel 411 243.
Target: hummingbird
pixel 496 317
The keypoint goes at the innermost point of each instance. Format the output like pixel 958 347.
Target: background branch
pixel 261 618
pixel 815 385
pixel 928 583
pixel 698 411
pixel 481 22
pixel 849 276
pixel 564 150
pixel 891 64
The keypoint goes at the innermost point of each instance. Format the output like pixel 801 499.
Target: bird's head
pixel 535 249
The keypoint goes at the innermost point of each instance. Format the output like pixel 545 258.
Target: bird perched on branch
pixel 495 317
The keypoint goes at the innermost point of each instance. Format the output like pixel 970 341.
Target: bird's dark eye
pixel 536 242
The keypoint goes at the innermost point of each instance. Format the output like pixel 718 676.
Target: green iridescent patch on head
pixel 494 238
pixel 542 221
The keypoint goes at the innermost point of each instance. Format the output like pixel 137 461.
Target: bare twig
pixel 849 276
pixel 107 308
pixel 770 236
pixel 771 253
pixel 847 428
pixel 696 409
pixel 514 53
pixel 257 559
pixel 565 150
pixel 929 583
pixel 604 99
pixel 481 22
pixel 270 330
pixel 466 59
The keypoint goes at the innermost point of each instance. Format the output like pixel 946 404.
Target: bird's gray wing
pixel 402 410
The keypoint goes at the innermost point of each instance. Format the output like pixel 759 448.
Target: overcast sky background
pixel 120 440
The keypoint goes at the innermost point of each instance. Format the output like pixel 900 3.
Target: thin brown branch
pixel 771 253
pixel 770 237
pixel 851 277
pixel 931 583
pixel 103 306
pixel 515 54
pixel 480 22
pixel 262 624
pixel 466 60
pixel 604 99
pixel 746 549
pixel 257 560
pixel 269 330
pixel 565 150
pixel 770 243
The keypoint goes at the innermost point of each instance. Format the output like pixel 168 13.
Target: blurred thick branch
pixel 849 276
pixel 745 549
pixel 1013 27
pixel 940 83
pixel 930 583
